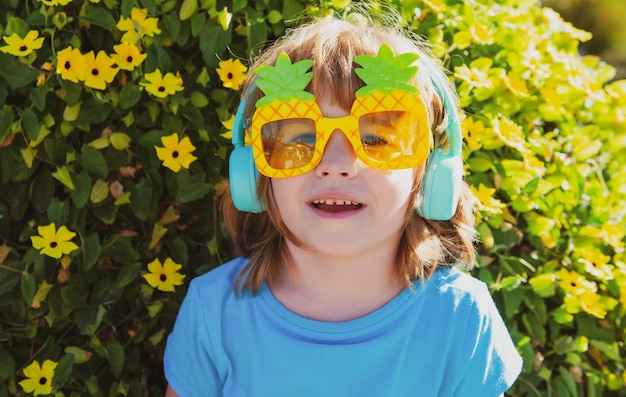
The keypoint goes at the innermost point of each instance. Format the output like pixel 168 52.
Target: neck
pixel 337 288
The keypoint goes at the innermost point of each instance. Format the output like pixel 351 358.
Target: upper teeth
pixel 335 202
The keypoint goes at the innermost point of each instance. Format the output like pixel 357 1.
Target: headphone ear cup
pixel 441 186
pixel 243 176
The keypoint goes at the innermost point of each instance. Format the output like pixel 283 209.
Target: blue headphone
pixel 441 185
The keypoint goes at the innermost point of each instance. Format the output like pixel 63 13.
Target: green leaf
pixel 63 371
pixel 28 287
pixel 82 183
pixel 187 9
pixel 6 120
pixel 80 355
pixel 7 364
pixel 130 95
pixel 141 198
pixel 15 73
pixel 37 96
pixel 90 252
pixel 116 357
pixel 58 211
pixel 98 16
pixel 93 161
pixel 213 41
pixel 191 188
pixel 74 295
pixel 128 274
pixel 42 190
pixel 172 24
pixel 93 112
pixel 126 7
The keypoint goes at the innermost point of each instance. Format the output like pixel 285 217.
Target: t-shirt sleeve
pixel 188 363
pixel 490 364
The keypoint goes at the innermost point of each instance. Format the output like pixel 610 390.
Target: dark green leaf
pixel 93 112
pixel 190 188
pixel 90 251
pixel 141 198
pixel 98 16
pixel 197 23
pixel 74 295
pixel 63 371
pixel 93 161
pixel 28 287
pixel 6 120
pixel 128 274
pixel 127 7
pixel 80 195
pixel 58 212
pixel 9 276
pixel 213 41
pixel 30 123
pixel 15 73
pixel 194 115
pixel 37 97
pixel 115 355
pixel 72 92
pixel 42 190
pixel 130 95
pixel 7 364
pixel 172 24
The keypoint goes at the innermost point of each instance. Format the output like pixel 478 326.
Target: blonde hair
pixel 332 44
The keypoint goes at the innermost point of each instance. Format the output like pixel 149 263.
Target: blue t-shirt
pixel 444 337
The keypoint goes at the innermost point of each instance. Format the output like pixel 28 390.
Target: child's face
pixel 344 207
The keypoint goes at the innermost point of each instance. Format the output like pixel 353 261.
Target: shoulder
pixel 454 283
pixel 221 279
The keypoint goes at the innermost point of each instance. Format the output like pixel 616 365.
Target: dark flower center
pixel 43 380
pixel 95 72
pixel 53 244
pixel 163 277
pixel 175 154
pixel 230 76
pixel 67 65
pixel 129 59
pixel 161 89
pixel 23 48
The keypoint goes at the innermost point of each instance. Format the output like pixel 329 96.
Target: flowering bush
pixel 114 135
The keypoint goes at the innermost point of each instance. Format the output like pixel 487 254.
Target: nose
pixel 339 158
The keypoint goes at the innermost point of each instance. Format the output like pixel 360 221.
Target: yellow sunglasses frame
pixel 348 125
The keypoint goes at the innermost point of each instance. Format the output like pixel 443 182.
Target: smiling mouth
pixel 336 205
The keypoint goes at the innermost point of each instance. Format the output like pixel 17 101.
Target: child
pixel 350 239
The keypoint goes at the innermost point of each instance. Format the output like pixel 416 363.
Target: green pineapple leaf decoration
pixel 284 80
pixel 386 72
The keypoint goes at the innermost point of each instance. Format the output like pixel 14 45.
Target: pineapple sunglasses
pixel 387 130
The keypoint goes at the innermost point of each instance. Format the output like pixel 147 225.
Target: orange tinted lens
pixel 289 143
pixel 390 136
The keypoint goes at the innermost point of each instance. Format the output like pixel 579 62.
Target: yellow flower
pixel 486 201
pixel 71 64
pixel 164 277
pixel 21 47
pixel 127 56
pixel 39 377
pixel 232 73
pixel 138 25
pixel 575 284
pixel 52 3
pixel 228 124
pixel 99 70
pixel 590 303
pixel 53 242
pixel 596 263
pixel 472 131
pixel 161 86
pixel 510 133
pixel 176 154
